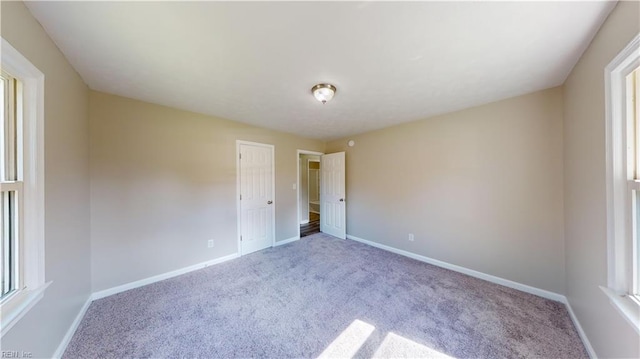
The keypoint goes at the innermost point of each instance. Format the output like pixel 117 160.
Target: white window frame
pixel 31 254
pixel 620 209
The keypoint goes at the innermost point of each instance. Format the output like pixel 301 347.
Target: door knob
pixel 269 202
pixel 341 199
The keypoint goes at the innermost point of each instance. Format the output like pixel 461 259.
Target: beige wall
pixel 163 182
pixel 479 188
pixel 585 188
pixel 67 250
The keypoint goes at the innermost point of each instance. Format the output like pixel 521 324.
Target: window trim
pixel 32 255
pixel 619 246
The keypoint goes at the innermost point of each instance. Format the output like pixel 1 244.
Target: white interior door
pixel 256 180
pixel 333 215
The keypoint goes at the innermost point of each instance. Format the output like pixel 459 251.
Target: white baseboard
pixel 159 277
pixel 581 333
pixel 505 282
pixel 304 222
pixel 289 240
pixel 107 292
pixel 72 329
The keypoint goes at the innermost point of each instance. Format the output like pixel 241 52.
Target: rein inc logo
pixel 16 354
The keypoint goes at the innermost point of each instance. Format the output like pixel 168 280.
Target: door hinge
pixel 240 238
pixel 241 156
pixel 241 197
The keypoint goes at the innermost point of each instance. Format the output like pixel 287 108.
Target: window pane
pixel 3 113
pixel 635 250
pixel 9 136
pixel 8 219
pixel 634 112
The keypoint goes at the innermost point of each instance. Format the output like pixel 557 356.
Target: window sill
pixel 17 306
pixel 628 307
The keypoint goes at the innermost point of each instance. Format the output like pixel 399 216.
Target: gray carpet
pixel 322 296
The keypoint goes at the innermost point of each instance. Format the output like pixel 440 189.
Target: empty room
pixel 354 179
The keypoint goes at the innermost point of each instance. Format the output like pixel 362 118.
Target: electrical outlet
pixel 210 243
pixel 411 237
pixel 295 186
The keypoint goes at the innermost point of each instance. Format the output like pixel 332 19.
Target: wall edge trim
pixel 456 268
pixel 62 347
pixel 156 278
pixel 581 332
pixel 286 241
pixel 493 279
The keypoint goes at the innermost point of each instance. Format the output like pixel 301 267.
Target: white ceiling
pixel 256 62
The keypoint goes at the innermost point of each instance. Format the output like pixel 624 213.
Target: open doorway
pixel 308 192
pixel 313 197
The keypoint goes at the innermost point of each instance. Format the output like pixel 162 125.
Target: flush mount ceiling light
pixel 323 92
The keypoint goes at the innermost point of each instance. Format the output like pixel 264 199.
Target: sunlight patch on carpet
pixel 396 346
pixel 347 344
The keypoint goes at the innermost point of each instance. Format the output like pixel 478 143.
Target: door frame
pixel 298 153
pixel 238 185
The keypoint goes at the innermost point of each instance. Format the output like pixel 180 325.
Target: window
pixel 10 187
pixel 633 133
pixel 21 186
pixel 622 80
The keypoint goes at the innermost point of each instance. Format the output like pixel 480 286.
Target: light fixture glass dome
pixel 323 92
